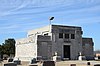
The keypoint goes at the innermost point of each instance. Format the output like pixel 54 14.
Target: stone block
pixel 72 64
pixel 10 60
pixel 48 63
pixel 33 61
pixel 10 64
pixel 33 65
pixel 88 63
pixel 18 62
pixel 97 65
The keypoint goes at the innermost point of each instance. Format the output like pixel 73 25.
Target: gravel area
pixel 60 63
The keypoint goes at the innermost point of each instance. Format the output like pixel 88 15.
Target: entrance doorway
pixel 66 51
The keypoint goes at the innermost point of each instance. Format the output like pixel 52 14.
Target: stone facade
pixel 25 49
pixel 87 45
pixel 66 41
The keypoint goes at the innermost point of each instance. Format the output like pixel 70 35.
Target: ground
pixel 60 63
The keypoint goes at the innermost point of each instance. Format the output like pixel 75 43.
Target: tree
pixel 1 50
pixel 8 47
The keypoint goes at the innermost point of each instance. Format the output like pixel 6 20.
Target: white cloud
pixel 75 11
pixel 88 20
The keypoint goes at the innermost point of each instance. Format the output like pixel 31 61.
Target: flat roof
pixel 67 26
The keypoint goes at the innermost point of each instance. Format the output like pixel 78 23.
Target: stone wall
pixel 39 31
pixel 26 49
pixel 87 45
pixel 75 44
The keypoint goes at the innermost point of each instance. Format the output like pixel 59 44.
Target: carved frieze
pixel 25 40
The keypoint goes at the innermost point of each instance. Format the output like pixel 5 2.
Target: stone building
pixel 66 41
pixel 87 45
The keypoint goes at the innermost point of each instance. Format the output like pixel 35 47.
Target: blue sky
pixel 19 16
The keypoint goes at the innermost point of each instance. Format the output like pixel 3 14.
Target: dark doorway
pixel 66 51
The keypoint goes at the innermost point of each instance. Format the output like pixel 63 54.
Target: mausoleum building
pixel 42 43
